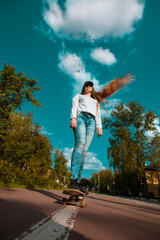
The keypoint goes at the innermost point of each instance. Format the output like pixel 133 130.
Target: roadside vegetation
pixel 134 143
pixel 26 154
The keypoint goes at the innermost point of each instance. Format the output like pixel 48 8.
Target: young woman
pixel 85 118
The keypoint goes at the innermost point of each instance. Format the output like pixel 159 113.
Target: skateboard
pixel 77 198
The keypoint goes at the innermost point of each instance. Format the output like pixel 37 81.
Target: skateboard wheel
pixel 83 202
pixel 64 201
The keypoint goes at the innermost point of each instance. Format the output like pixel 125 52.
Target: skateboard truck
pixel 76 198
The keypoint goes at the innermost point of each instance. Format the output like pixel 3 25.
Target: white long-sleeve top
pixel 82 103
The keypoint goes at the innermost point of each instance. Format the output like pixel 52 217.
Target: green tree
pixel 67 179
pixel 105 177
pixel 128 142
pixel 154 153
pixel 15 89
pixel 100 180
pixel 60 165
pixel 94 182
pixel 27 152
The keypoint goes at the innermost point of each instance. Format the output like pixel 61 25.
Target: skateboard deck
pixel 77 198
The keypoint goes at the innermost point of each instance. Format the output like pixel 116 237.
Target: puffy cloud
pixel 91 162
pixel 67 153
pixel 73 65
pixel 103 56
pixel 93 19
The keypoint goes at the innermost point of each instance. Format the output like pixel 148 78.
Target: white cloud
pixel 103 56
pixel 91 162
pixel 44 131
pixel 73 65
pixel 152 133
pixel 93 19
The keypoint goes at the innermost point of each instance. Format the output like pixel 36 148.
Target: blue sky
pixel 62 44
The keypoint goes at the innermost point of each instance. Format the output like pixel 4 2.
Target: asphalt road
pixel 39 214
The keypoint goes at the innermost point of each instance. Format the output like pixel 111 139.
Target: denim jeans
pixel 83 134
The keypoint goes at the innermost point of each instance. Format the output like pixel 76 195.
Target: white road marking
pixel 56 227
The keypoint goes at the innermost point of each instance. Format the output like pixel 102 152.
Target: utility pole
pixel 94 185
pixel 110 178
pixel 98 182
pixel 64 178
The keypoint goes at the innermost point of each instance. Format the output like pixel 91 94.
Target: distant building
pixel 152 182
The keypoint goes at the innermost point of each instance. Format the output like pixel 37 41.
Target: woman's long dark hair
pixel 112 87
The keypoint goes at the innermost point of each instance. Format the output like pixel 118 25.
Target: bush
pixel 151 195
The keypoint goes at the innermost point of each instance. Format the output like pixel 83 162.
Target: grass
pixel 11 185
pixel 15 185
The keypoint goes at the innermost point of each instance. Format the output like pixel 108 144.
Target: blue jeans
pixel 83 134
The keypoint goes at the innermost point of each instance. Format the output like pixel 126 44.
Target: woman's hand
pixel 99 132
pixel 73 123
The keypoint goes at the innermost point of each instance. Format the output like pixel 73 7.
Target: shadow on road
pixel 18 214
pixel 75 235
pixel 50 194
pixel 16 217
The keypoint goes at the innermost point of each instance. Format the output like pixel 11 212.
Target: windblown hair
pixel 112 87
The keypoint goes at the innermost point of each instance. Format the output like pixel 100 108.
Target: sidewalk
pixel 151 200
pixel 148 200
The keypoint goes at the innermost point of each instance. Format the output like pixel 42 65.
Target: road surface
pixel 39 214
